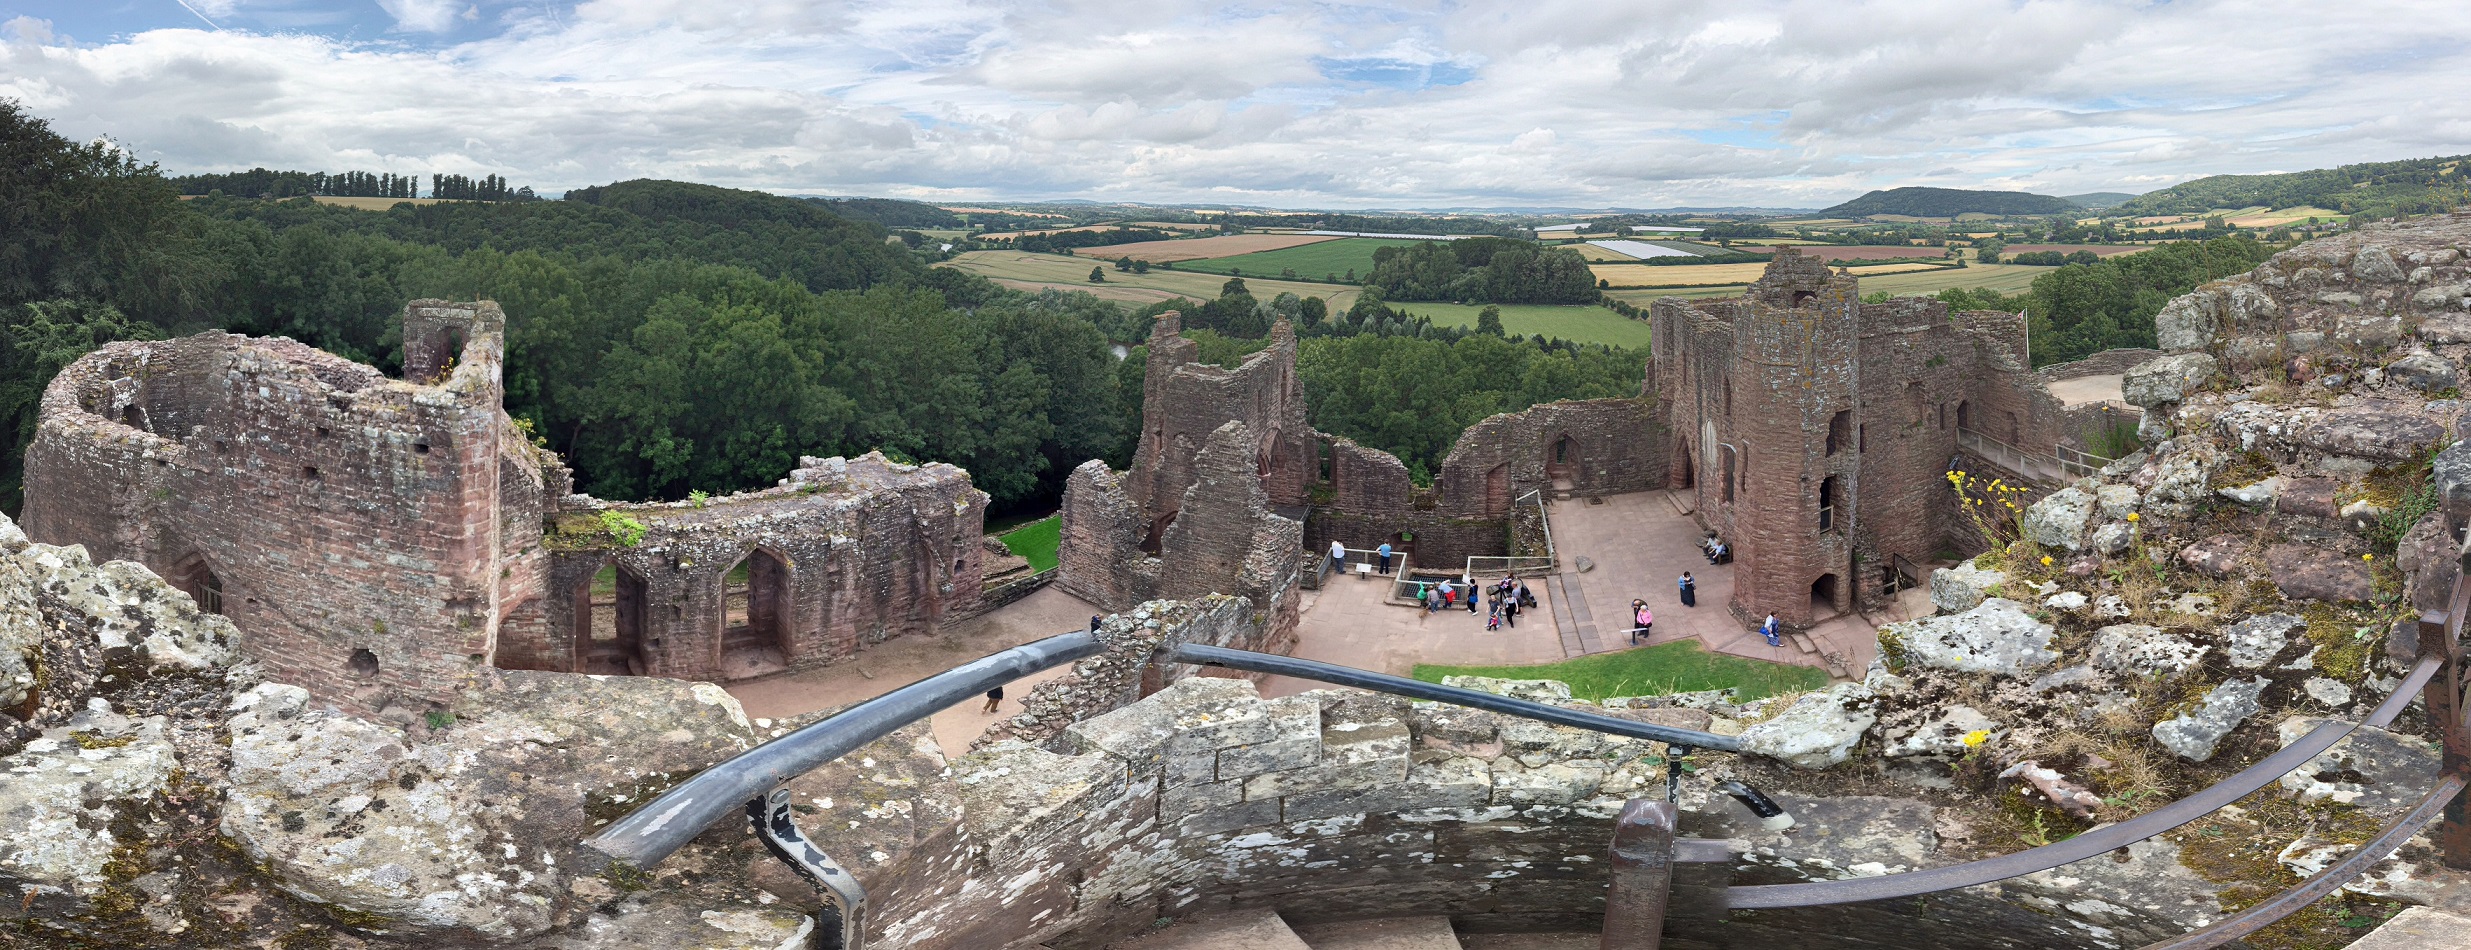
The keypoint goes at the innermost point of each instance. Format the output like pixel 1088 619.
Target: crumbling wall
pixel 1099 557
pixel 868 550
pixel 1184 401
pixel 349 523
pixel 1594 447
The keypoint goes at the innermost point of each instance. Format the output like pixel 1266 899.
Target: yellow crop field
pixel 1026 271
pixel 1675 275
pixel 1874 270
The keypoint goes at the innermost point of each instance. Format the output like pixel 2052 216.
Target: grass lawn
pixel 1576 322
pixel 1677 667
pixel 1310 261
pixel 1036 541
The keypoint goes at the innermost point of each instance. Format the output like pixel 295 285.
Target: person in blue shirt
pixel 1768 630
pixel 1384 552
pixel 1690 591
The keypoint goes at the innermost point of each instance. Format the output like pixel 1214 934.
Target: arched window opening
pixel 1964 415
pixel 1827 504
pixel 1840 431
pixel 1801 297
pixel 1158 530
pixel 1730 457
pixel 755 616
pixel 1823 597
pixel 609 621
pixel 364 664
pixel 198 581
pixel 1561 461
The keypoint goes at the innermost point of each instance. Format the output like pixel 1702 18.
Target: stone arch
pixel 610 636
pixel 1562 459
pixel 196 578
pixel 756 596
pixel 1823 595
pixel 1964 414
pixel 1732 462
pixel 1685 465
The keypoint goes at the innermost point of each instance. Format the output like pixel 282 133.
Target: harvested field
pixel 1594 253
pixel 1173 225
pixel 2004 278
pixel 1026 271
pixel 1194 249
pixel 1576 323
pixel 1018 214
pixel 2099 250
pixel 2278 218
pixel 1882 252
pixel 1879 270
pixel 1675 275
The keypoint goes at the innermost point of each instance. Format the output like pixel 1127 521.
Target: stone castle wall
pixel 348 523
pixel 379 541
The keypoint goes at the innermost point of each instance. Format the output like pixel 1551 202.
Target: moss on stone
pixel 627 878
pixel 2341 652
pixel 88 740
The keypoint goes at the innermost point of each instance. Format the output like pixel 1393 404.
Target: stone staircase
pixel 1264 929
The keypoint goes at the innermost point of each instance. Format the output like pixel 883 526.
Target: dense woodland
pixel 2088 306
pixel 2379 189
pixel 669 337
pixel 1950 202
pixel 1485 269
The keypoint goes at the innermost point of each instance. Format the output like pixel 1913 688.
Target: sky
pixel 1532 103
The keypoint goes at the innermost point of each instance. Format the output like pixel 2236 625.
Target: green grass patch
pixel 1577 323
pixel 1317 261
pixel 1677 667
pixel 1036 541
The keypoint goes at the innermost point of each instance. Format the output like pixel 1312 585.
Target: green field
pixel 1677 667
pixel 1577 323
pixel 2004 278
pixel 1310 261
pixel 1036 541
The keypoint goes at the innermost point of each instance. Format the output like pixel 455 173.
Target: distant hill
pixel 2413 186
pixel 1949 202
pixel 2100 200
pixel 891 212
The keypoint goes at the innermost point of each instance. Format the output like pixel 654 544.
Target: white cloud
pixel 1790 102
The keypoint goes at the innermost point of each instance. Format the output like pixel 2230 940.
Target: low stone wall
pixel 2105 363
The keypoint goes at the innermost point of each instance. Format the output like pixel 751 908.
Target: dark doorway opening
pixel 1561 461
pixel 1689 475
pixel 1728 482
pixel 755 617
pixel 1823 597
pixel 1158 530
pixel 198 581
pixel 609 622
pixel 1827 504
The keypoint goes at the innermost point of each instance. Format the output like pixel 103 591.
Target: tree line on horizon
pixel 663 337
pixel 268 183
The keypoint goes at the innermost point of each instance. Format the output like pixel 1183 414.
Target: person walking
pixel 1474 593
pixel 994 696
pixel 1510 612
pixel 1449 594
pixel 1768 630
pixel 1526 598
pixel 1690 591
pixel 1384 552
pixel 1338 557
pixel 1094 621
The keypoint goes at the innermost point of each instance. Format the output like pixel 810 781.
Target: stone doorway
pixel 1823 598
pixel 1561 461
pixel 609 635
pixel 755 599
pixel 195 579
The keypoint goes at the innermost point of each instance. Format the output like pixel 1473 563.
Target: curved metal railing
pixel 752 782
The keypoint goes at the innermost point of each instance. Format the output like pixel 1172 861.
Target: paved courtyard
pixel 898 662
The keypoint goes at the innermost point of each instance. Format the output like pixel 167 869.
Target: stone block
pixel 1454 782
pixel 1276 755
pixel 2311 572
pixel 1177 801
pixel 2139 650
pixel 1244 724
pixel 1221 819
pixel 2193 735
pixel 2256 640
pixel 1997 636
pixel 1353 755
pixel 1137 733
pixel 1820 729
pixel 2314 497
pixel 1960 588
pixel 2167 379
pixel 1558 783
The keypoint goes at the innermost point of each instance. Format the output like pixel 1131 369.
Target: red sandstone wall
pixel 340 510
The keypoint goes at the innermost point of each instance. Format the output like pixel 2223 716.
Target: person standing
pixel 1474 593
pixel 1643 622
pixel 994 696
pixel 1769 630
pixel 1094 621
pixel 1338 557
pixel 1384 553
pixel 1449 593
pixel 1510 612
pixel 1690 591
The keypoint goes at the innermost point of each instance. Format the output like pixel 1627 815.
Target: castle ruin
pixel 381 540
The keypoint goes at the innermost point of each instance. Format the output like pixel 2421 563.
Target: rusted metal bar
pixel 2412 683
pixel 1642 881
pixel 2448 790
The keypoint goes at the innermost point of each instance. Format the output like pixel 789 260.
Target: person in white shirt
pixel 1338 558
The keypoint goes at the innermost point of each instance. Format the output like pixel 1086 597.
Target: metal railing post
pixel 1642 879
pixel 2440 638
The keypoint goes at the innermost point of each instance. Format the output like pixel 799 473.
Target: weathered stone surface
pixel 2258 495
pixel 2307 497
pixel 2450 474
pixel 2193 735
pixel 2139 650
pixel 1819 730
pixel 2059 519
pixel 2216 556
pixel 2113 538
pixel 2054 787
pixel 1941 734
pixel 2311 572
pixel 2424 371
pixel 59 799
pixel 663 920
pixel 2255 641
pixel 2374 263
pixel 2117 501
pixel 2381 432
pixel 2424 555
pixel 2370 767
pixel 1542 691
pixel 1960 588
pixel 2328 692
pixel 2180 482
pixel 1997 637
pixel 2167 379
pixel 351 812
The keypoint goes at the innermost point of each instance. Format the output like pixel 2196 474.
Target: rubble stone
pixel 2255 641
pixel 2310 572
pixel 1997 637
pixel 2194 734
pixel 2140 650
pixel 1960 588
pixel 1819 730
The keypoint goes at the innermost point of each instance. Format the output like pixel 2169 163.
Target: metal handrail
pixel 666 823
pixel 2267 912
pixel 1418 689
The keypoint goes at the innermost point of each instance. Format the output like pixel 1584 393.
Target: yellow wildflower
pixel 1975 738
pixel 2132 517
pixel 2046 560
pixel 2368 557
